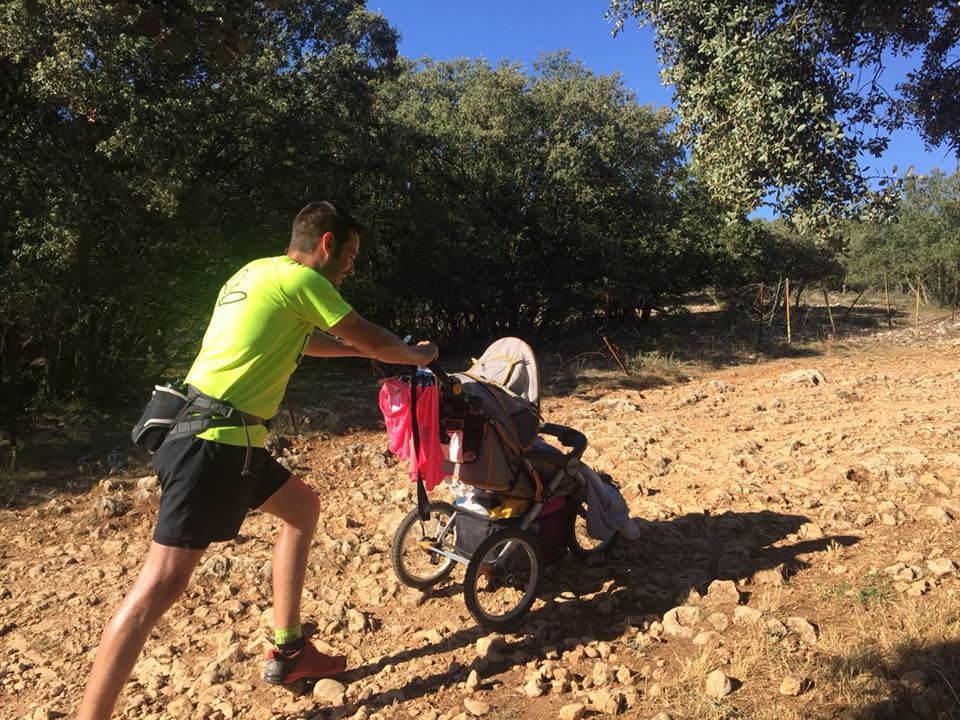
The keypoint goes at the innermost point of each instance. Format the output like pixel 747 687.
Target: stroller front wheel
pixel 415 564
pixel 500 583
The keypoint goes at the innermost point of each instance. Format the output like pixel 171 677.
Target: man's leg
pixel 162 580
pixel 299 509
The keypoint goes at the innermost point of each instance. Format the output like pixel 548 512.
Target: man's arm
pixel 379 343
pixel 323 344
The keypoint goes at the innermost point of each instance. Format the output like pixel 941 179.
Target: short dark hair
pixel 318 218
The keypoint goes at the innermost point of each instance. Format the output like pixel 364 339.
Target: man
pixel 267 317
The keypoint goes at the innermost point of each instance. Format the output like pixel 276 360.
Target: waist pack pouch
pixel 159 416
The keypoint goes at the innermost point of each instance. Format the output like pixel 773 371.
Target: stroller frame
pixel 509 560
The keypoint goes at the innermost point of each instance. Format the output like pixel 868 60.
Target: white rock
pixel 490 647
pixel 746 615
pixel 938 515
pixel 942 566
pixel 477 708
pixel 473 681
pixel 329 691
pixel 722 592
pixel 608 702
pixel 533 688
pixel 718 685
pixel 679 621
pixel 804 628
pixel 708 638
pixel 792 685
pixel 802 377
pixel 573 711
pixel 356 620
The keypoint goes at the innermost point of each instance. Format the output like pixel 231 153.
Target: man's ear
pixel 328 243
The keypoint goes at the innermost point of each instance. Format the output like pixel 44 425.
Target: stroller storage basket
pixel 551 527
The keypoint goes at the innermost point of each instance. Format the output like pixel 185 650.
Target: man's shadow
pixel 641 579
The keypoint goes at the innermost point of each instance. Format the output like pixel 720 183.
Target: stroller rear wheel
pixel 501 580
pixel 578 539
pixel 414 562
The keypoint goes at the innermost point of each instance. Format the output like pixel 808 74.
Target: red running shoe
pixel 307 663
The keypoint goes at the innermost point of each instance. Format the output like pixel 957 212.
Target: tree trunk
pixel 8 370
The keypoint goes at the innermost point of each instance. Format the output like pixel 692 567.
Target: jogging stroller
pixel 532 506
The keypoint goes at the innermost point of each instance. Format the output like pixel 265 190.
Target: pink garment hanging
pixel 395 406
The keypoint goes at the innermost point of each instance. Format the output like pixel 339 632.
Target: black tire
pixel 578 540
pixel 498 595
pixel 415 566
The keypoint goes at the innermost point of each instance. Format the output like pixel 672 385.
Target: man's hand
pixel 428 350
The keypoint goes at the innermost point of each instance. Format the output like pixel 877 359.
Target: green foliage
pixel 757 251
pixel 147 155
pixel 156 146
pixel 785 96
pixel 923 242
pixel 658 364
pixel 515 203
pixel 153 147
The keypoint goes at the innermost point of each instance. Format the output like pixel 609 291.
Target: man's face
pixel 340 265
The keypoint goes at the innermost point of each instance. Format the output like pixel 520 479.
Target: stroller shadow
pixel 641 580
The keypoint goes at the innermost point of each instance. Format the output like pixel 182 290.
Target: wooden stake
pixel 886 294
pixel 615 356
pixel 916 320
pixel 855 300
pixel 786 295
pixel 826 299
pixel 776 301
pixel 760 320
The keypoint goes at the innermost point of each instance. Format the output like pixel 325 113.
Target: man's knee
pixel 296 504
pixel 312 508
pixel 163 579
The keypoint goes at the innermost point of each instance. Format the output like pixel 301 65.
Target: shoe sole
pixel 277 679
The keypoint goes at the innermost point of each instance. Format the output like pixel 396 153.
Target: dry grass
pixel 897 659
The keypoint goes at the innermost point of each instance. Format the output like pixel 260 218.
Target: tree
pixel 786 96
pixel 757 251
pixel 149 147
pixel 924 241
pixel 514 202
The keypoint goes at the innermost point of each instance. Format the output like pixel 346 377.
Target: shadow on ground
pixel 641 581
pixel 919 681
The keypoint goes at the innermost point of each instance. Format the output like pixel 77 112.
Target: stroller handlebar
pixel 567 436
pixel 448 382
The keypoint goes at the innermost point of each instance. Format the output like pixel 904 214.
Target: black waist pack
pixel 165 409
pixel 176 411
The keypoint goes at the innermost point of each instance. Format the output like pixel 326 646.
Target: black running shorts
pixel 203 496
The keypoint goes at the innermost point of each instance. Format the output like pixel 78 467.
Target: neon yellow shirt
pixel 258 332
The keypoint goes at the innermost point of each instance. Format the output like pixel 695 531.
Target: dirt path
pixel 828 503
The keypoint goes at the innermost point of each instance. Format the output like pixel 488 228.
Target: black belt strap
pixel 203 412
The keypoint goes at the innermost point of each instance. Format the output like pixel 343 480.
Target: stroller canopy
pixel 510 363
pixel 504 383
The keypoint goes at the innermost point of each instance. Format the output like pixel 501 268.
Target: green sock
pixel 289 639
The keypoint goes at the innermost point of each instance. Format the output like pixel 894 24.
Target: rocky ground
pixel 798 558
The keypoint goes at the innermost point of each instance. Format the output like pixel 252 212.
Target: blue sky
pixel 523 29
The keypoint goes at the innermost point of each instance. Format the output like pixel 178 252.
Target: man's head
pixel 325 238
